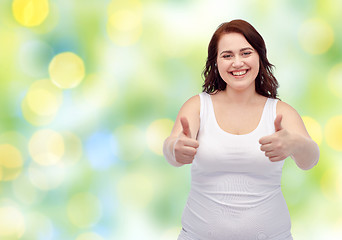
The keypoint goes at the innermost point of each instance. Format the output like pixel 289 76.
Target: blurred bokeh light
pixel 30 12
pixel 90 89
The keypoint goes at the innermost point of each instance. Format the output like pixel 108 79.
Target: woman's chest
pixel 238 121
pixel 232 154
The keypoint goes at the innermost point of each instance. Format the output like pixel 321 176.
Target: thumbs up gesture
pixel 185 147
pixel 277 146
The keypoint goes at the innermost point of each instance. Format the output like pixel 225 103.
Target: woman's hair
pixel 265 83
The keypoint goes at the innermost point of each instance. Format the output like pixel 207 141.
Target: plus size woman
pixel 236 134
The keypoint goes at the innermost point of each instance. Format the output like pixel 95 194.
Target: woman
pixel 236 134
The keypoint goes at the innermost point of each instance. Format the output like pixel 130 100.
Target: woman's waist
pixel 234 196
pixel 226 217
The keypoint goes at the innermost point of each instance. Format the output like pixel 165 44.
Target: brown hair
pixel 265 83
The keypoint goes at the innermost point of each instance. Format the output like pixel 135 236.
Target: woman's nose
pixel 237 62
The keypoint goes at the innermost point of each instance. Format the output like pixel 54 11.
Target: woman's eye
pixel 246 53
pixel 227 56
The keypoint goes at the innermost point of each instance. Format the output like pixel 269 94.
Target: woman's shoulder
pixel 193 102
pixel 292 120
pixel 194 99
pixel 286 109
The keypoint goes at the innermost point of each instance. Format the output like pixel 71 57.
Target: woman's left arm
pixel 290 139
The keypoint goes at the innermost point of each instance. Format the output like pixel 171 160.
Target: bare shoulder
pixel 286 109
pixel 192 104
pixel 291 118
pixel 191 108
pixel 194 99
pixel 191 111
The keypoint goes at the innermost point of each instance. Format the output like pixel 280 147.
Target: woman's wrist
pixel 305 152
pixel 169 152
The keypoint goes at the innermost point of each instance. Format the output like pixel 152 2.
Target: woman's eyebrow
pixel 246 48
pixel 241 50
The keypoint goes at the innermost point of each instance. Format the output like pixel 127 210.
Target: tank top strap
pixel 206 110
pixel 270 112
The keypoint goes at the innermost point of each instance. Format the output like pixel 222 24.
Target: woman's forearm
pixel 306 152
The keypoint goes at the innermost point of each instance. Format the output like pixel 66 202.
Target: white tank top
pixel 235 190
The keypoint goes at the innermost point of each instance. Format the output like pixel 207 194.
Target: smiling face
pixel 237 61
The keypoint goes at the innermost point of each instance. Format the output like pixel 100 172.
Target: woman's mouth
pixel 239 73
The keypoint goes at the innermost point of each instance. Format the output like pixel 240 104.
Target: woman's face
pixel 237 61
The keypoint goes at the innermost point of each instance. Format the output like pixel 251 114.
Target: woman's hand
pixel 277 146
pixel 185 148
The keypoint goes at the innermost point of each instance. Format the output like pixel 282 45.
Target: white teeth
pixel 239 73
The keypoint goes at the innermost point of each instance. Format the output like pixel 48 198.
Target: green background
pixel 143 59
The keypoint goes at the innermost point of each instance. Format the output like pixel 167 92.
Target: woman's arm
pixel 180 147
pixel 290 139
pixel 305 151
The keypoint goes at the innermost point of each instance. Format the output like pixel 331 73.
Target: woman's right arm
pixel 181 146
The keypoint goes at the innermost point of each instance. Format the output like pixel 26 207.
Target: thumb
pixel 185 126
pixel 277 123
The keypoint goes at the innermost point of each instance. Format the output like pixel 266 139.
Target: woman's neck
pixel 240 97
